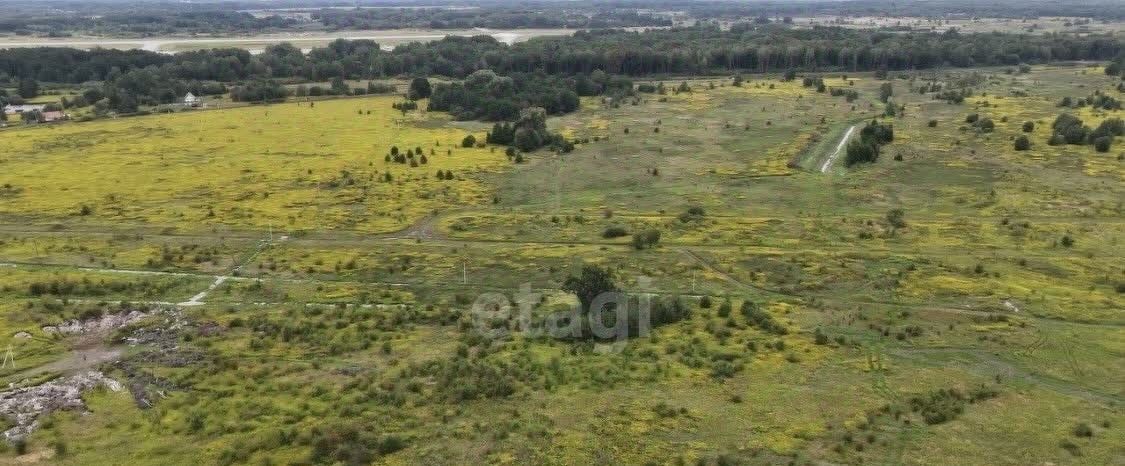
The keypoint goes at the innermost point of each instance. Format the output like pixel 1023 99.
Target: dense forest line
pixel 143 24
pixel 152 23
pixel 1013 9
pixel 63 18
pixel 495 18
pixel 145 78
pixel 757 48
pixel 233 22
pixel 694 50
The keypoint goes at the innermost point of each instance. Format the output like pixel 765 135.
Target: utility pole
pixel 558 187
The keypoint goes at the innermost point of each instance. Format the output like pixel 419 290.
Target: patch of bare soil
pixel 155 332
pixel 78 360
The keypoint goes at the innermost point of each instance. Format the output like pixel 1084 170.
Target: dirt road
pixel 839 148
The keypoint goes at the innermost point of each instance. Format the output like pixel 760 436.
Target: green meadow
pixel 955 302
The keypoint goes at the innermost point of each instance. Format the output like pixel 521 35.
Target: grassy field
pixel 342 334
pixel 293 167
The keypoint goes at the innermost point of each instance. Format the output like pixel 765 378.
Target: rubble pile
pixel 104 323
pixel 24 406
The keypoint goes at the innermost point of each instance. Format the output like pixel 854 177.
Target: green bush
pixel 896 218
pixel 390 444
pixel 763 320
pixel 693 213
pixel 725 306
pixel 865 149
pixel 647 239
pixel 1103 143
pixel 723 369
pixel 614 232
pixel 820 337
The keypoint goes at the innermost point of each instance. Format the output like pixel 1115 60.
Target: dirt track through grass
pixel 839 148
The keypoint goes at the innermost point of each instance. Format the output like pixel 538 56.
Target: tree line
pixel 547 72
pixel 142 24
pixel 496 17
pixel 25 17
pixel 692 50
pixel 158 19
pixel 959 9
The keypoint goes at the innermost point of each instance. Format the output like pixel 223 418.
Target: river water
pixel 386 39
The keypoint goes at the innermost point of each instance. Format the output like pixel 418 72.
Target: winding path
pixel 198 298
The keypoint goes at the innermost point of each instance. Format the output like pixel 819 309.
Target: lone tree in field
pixel 1103 143
pixel 646 239
pixel 469 141
pixel 1028 126
pixel 896 218
pixel 419 89
pixel 1022 143
pixel 886 90
pixel 593 281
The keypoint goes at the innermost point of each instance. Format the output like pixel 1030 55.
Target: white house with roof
pixel 190 100
pixel 33 113
pixel 18 109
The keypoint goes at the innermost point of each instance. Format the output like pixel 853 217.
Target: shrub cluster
pixel 761 319
pixel 865 149
pixel 485 95
pixel 528 133
pixel 944 405
pixel 1069 129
